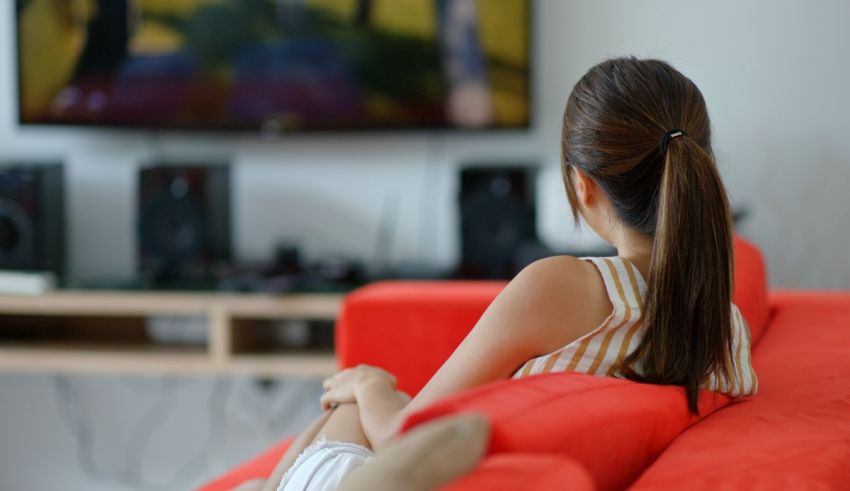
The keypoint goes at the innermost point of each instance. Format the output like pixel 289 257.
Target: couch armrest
pixel 258 467
pixel 512 471
pixel 410 327
pixel 527 471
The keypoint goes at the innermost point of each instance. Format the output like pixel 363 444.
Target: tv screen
pixel 274 65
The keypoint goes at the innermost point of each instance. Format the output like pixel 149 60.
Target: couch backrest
pixel 410 328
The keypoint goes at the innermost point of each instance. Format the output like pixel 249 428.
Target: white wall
pixel 774 74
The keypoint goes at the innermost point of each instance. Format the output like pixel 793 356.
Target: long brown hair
pixel 615 121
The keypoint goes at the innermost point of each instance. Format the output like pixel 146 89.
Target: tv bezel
pixel 258 130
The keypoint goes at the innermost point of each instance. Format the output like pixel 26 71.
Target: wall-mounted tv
pixel 274 65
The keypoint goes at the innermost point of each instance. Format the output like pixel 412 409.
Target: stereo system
pixel 497 221
pixel 32 218
pixel 183 224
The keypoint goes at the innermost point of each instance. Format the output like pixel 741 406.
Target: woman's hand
pixel 342 387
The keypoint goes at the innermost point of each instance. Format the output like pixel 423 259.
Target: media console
pixel 109 332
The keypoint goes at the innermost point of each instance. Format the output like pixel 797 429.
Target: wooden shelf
pixel 65 359
pixel 131 303
pixel 308 365
pixel 104 332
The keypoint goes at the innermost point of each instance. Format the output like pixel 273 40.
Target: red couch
pixel 576 431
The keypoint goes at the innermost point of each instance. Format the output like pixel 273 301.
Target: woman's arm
pixel 374 392
pixel 534 314
pixel 547 305
pixel 381 407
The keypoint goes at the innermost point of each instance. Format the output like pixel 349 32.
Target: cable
pixel 435 153
pixel 258 424
pixel 275 419
pixel 70 408
pixel 265 414
pixel 144 429
pixel 80 428
pixel 157 149
pixel 216 410
pixel 385 236
pixel 278 421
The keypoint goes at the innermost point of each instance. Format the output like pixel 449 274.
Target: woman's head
pixel 622 169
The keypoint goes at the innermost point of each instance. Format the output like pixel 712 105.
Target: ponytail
pixel 688 303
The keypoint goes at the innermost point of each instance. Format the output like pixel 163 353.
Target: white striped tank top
pixel 603 350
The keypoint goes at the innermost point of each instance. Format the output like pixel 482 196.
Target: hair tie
pixel 669 136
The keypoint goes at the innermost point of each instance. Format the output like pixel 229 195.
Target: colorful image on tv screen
pixel 274 65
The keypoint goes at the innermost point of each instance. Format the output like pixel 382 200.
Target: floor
pixel 98 433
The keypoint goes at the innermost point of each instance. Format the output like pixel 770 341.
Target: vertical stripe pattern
pixel 603 350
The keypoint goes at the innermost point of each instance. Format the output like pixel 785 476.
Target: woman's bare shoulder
pixel 563 297
pixel 559 278
pixel 562 269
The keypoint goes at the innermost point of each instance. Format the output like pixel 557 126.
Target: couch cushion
pixel 751 287
pixel 612 427
pixel 531 472
pixel 795 433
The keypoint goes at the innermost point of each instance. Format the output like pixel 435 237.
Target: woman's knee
pixel 344 425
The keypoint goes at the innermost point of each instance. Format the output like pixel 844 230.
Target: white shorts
pixel 323 465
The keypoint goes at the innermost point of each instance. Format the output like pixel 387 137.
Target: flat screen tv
pixel 274 65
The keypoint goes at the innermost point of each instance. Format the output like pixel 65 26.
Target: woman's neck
pixel 637 248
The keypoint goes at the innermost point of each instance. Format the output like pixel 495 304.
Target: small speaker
pixel 497 220
pixel 183 224
pixel 32 218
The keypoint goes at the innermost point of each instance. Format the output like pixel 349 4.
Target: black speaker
pixel 32 218
pixel 497 220
pixel 183 224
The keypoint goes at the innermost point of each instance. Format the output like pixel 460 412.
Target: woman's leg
pixel 298 445
pixel 340 425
